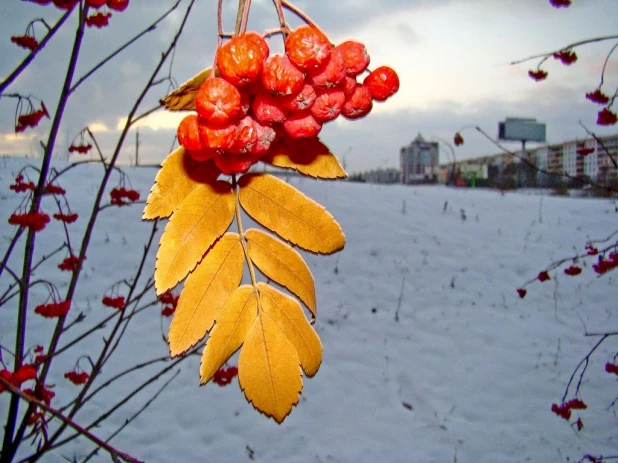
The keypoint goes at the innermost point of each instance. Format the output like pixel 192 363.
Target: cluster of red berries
pixel 560 3
pixel 605 265
pixel 564 410
pixel 259 99
pixel 611 368
pixel 573 270
pixel 607 117
pixel 53 309
pixel 583 151
pixel 81 148
pixel 591 250
pixel 31 119
pixel 20 186
pixel 98 20
pixel 114 302
pixel 40 357
pixel 458 139
pixel 77 378
pixel 66 218
pixel 543 276
pixel 35 221
pixel 24 373
pixel 54 190
pixel 522 292
pixel 598 97
pixel 25 41
pixel 118 5
pixel 566 57
pixel 69 264
pixel 41 393
pixel 537 75
pixel 118 196
pixel 170 301
pixel 224 376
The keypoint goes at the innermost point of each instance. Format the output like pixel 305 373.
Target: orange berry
pixel 217 101
pixel 307 47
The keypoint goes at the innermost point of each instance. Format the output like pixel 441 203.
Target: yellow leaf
pixel 183 98
pixel 202 218
pixel 283 264
pixel 233 323
pixel 205 292
pixel 308 156
pixel 289 213
pixel 289 316
pixel 179 175
pixel 268 369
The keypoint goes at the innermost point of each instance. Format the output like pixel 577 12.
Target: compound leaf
pixel 233 323
pixel 268 369
pixel 310 157
pixel 178 177
pixel 183 98
pixel 289 213
pixel 283 264
pixel 287 313
pixel 202 218
pixel 206 290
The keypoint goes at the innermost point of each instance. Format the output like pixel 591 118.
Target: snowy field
pixel 467 374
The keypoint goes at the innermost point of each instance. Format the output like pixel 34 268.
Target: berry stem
pixel 241 232
pixel 301 14
pixel 245 16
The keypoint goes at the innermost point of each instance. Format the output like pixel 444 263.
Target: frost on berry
pixel 280 76
pixel 382 82
pixel 299 101
pixel 217 137
pixel 267 108
pixel 307 47
pixel 331 73
pixel 188 135
pixel 355 57
pixel 327 105
pixel 239 60
pixel 217 101
pixel 302 125
pixel 358 103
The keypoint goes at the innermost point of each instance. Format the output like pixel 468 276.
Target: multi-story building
pixel 420 161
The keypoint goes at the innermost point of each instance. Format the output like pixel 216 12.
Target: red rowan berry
pixel 118 5
pixel 235 164
pixel 567 57
pixel 358 103
pixel 572 270
pixel 458 139
pixel 307 47
pixel 331 73
pixel 299 101
pixel 217 137
pixel 239 60
pixel 302 125
pixel 217 101
pixel 268 108
pixel 246 136
pixel 261 43
pixel 522 292
pixel 543 276
pixel 280 76
pixel 537 75
pixel 96 3
pixel 202 155
pixel 355 57
pixel 597 97
pixel 349 85
pixel 606 117
pixel 65 4
pixel 327 105
pixel 188 134
pixel 265 137
pixel 382 82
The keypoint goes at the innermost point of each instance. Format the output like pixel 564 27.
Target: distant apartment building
pixel 420 161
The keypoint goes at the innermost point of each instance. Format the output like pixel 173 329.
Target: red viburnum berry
pixel 537 75
pixel 522 292
pixel 218 137
pixel 77 378
pixel 382 82
pixel 572 270
pixel 168 311
pixel 458 139
pixel 358 104
pixel 238 60
pixel 267 108
pixel 224 376
pixel 543 276
pixel 307 47
pixel 217 101
pixel 302 125
pixel 327 105
pixel 54 309
pixel 188 133
pixel 114 302
pixel 597 97
pixel 567 57
pixel 355 57
pixel 281 77
pixel 562 411
pixel 606 117
pixel 331 73
pixel 20 186
pixel 560 3
pixel 117 5
pixel 246 136
pixel 25 41
pixel 300 101
pixel 69 264
pixel 51 189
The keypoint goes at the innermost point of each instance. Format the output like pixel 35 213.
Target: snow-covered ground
pixel 467 374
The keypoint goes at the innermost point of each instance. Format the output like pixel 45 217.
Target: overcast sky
pixel 451 56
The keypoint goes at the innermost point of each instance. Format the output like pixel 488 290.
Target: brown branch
pixel 567 47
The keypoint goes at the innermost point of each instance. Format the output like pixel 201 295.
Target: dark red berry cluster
pixel 31 119
pixel 35 221
pixel 611 368
pixel 560 3
pixel 572 270
pixel 605 265
pixel 598 97
pixel 458 139
pixel 583 151
pixel 170 302
pixel 537 75
pixel 260 99
pixel 51 189
pixel 54 309
pixel 98 20
pixel 41 393
pixel 566 57
pixel 25 41
pixel 118 196
pixel 69 264
pixel 564 410
pixel 20 186
pixel 607 117
pixel 114 302
pixel 543 276
pixel 24 373
pixel 40 357
pixel 117 5
pixel 81 148
pixel 224 376
pixel 66 218
pixel 77 378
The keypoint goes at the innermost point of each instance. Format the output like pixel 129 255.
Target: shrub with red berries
pixel 35 221
pixel 114 302
pixel 122 196
pixel 77 378
pixel 53 309
pixel 224 376
pixel 20 186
